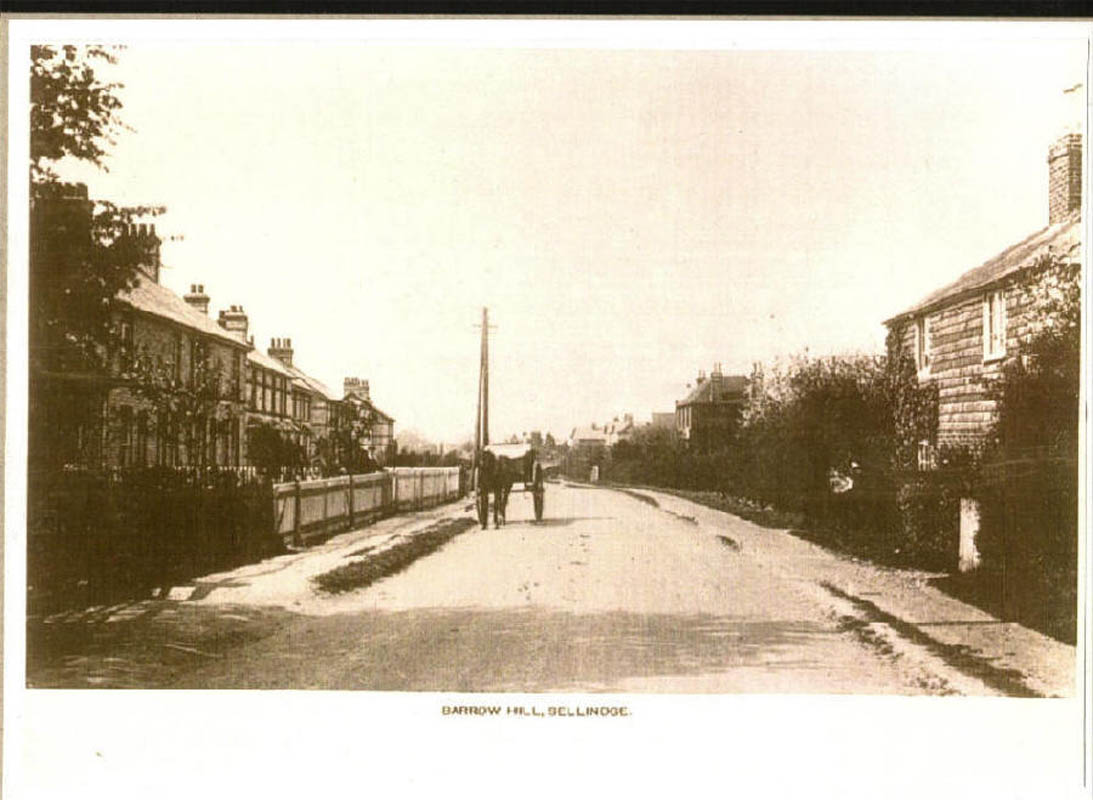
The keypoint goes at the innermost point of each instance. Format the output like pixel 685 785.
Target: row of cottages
pixel 182 389
pixel 706 417
pixel 962 334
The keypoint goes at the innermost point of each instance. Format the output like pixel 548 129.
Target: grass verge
pixel 1008 681
pixel 764 516
pixel 359 574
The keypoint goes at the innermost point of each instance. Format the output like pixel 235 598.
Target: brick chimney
pixel 715 382
pixel 281 349
pixel 234 320
pixel 60 223
pixel 358 387
pixel 1064 177
pixel 197 299
pixel 139 245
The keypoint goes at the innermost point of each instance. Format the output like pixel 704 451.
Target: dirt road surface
pixel 611 592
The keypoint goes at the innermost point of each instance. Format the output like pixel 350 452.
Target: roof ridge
pixel 1006 262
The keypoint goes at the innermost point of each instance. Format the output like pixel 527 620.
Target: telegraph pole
pixel 485 372
pixel 482 420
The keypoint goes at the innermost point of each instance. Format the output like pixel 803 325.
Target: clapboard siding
pixel 965 410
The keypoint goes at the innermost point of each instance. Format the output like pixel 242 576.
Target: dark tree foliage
pixel 1037 394
pixel 72 112
pixel 195 408
pixel 348 447
pixel 80 261
pixel 271 452
pixel 914 407
pixel 80 257
pixel 1028 486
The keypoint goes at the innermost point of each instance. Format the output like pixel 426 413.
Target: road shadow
pixel 523 650
pixel 562 522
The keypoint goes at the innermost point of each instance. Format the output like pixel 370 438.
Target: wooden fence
pixel 305 510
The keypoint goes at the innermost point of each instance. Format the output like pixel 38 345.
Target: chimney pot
pixel 1064 177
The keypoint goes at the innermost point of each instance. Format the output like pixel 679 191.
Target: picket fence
pixel 306 510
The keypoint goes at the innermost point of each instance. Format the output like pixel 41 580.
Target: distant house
pixel 707 416
pixel 620 430
pixel 382 433
pixel 588 439
pixel 314 411
pixel 962 334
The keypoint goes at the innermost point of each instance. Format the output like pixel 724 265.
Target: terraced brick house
pixel 124 413
pixel 379 440
pixel 167 334
pixel 314 409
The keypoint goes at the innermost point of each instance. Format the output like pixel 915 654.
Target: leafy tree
pixel 913 406
pixel 351 439
pixel 196 409
pixel 1037 394
pixel 81 260
pixel 81 257
pixel 270 451
pixel 72 112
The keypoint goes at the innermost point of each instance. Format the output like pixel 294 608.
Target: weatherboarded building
pixel 962 334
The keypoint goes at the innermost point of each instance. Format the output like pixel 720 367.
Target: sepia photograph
pixel 535 373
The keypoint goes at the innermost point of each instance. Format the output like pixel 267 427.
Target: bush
pixel 1028 541
pixel 1028 488
pixel 928 505
pixel 97 537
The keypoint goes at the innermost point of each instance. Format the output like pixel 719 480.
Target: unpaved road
pixel 612 592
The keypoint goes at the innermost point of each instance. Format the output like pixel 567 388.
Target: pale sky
pixel 629 216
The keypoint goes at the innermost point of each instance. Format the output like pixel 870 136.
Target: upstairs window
pixel 994 325
pixel 922 345
pixel 125 436
pixel 125 341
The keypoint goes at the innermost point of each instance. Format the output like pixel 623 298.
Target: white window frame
pixel 922 345
pixel 994 336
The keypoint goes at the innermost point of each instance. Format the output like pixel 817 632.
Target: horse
pixel 497 474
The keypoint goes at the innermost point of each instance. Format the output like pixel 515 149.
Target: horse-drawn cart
pixel 500 468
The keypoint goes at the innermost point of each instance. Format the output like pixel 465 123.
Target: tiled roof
pixel 353 396
pixel 732 388
pixel 153 298
pixel 256 356
pixel 311 384
pixel 588 434
pixel 1063 240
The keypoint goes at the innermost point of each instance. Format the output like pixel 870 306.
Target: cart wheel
pixel 481 500
pixel 539 493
